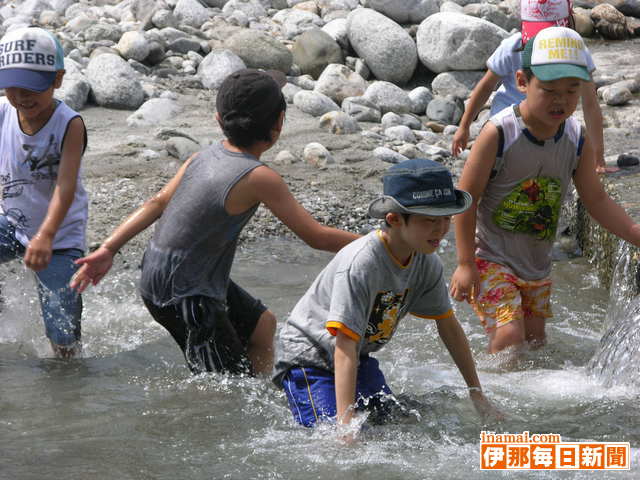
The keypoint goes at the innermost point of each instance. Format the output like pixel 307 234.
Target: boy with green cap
pixel 518 173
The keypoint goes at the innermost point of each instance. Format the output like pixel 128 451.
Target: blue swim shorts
pixel 311 392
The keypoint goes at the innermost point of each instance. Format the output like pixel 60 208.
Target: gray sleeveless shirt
pixel 195 240
pixel 519 209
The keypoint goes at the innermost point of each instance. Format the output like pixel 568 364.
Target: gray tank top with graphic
pixel 518 212
pixel 195 240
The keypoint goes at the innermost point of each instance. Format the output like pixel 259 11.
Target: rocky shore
pixel 370 83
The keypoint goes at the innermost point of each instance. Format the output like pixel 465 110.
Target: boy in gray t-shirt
pixel 354 306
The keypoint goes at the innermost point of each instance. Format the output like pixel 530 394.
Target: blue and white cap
pixel 421 187
pixel 29 59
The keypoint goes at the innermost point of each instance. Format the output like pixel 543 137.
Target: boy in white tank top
pixel 43 212
pixel 518 173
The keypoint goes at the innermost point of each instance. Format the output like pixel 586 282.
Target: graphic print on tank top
pixel 48 159
pixel 531 208
pixel 42 166
pixel 384 316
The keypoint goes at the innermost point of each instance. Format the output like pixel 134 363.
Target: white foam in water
pixel 114 318
pixel 569 384
pixel 617 360
pixel 21 318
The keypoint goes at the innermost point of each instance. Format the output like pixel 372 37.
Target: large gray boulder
pixel 75 87
pixel 260 50
pixel 445 110
pixel 361 109
pixel 191 13
pixel 314 50
pixel 154 111
pixel 388 97
pixel 456 83
pixel 253 9
pixel 493 14
pixel 314 103
pixel 114 83
pixel 420 98
pixel 388 50
pixel 339 82
pixel 134 45
pixel 337 29
pixel 103 31
pixel 217 65
pixel 452 41
pixel 406 11
pixel 294 22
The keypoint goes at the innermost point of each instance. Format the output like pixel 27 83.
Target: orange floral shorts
pixel 504 297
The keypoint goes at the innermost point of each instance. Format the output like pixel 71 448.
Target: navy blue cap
pixel 422 187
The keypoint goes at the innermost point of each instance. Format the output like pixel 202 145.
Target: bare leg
pixel 534 331
pixel 260 349
pixel 510 335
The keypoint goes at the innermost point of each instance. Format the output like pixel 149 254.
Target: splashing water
pixel 129 408
pixel 617 360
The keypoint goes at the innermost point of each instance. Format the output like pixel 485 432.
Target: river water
pixel 129 409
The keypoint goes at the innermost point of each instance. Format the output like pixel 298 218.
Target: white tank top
pixel 519 209
pixel 28 172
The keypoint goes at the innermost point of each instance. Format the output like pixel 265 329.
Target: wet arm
pixel 346 368
pixel 465 283
pixel 478 98
pixel 597 201
pixel 271 190
pixel 38 253
pixel 455 340
pixel 593 121
pixel 144 216
pixel 96 265
pixel 474 179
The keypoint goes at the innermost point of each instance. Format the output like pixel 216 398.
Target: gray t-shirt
pixel 195 239
pixel 363 292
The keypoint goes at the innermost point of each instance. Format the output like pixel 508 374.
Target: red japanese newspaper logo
pixel 522 451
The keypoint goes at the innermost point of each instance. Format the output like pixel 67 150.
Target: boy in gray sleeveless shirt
pixel 518 173
pixel 354 306
pixel 200 214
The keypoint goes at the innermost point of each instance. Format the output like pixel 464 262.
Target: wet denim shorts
pixel 60 305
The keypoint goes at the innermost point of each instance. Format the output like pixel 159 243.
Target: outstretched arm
pixel 96 265
pixel 478 98
pixel 270 189
pixel 39 250
pixel 598 202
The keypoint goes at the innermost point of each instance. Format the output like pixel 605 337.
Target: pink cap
pixel 540 14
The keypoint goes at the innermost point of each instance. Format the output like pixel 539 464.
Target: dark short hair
pixel 249 103
pixel 245 131
pixel 404 215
